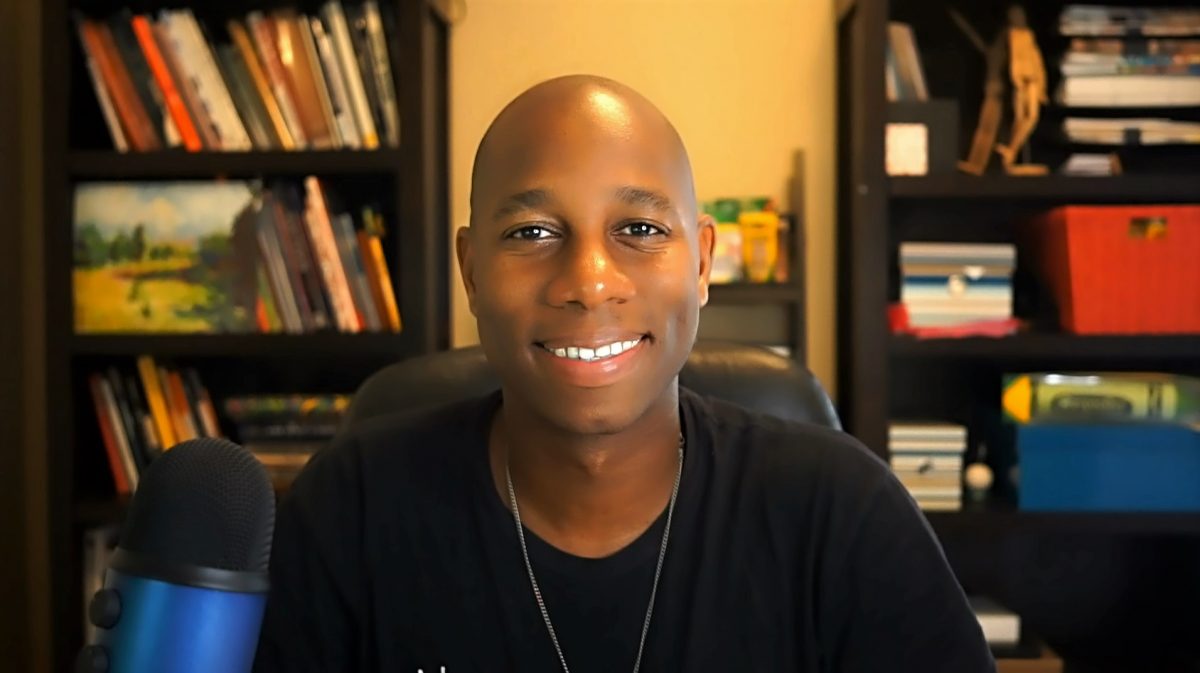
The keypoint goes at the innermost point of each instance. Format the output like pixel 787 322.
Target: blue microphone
pixel 187 585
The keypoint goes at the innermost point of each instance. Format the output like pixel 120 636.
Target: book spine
pixel 264 39
pixel 375 250
pixel 241 39
pixel 145 421
pixel 377 43
pixel 285 302
pixel 144 32
pixel 128 424
pixel 357 24
pixel 320 82
pixel 182 76
pixel 177 403
pixel 233 133
pixel 292 263
pixel 316 217
pixel 157 400
pixel 309 269
pixel 343 46
pixel 207 412
pixel 243 98
pixel 339 97
pixel 108 435
pixel 353 262
pixel 294 64
pixel 134 122
pixel 130 55
pixel 107 109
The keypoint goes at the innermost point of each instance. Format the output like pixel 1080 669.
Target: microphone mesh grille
pixel 206 502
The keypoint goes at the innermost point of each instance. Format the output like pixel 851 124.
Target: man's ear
pixel 707 238
pixel 466 263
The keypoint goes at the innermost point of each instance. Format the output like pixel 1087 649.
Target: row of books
pixel 284 431
pixel 145 411
pixel 321 271
pixel 282 79
pixel 927 458
pixel 953 285
pixel 1119 58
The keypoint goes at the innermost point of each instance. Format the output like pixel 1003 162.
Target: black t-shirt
pixel 792 548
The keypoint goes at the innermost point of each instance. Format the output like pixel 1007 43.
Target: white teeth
pixel 589 354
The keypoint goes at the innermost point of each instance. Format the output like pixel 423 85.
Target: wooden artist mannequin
pixel 1017 46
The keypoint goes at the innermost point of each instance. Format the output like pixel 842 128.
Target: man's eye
pixel 531 233
pixel 642 229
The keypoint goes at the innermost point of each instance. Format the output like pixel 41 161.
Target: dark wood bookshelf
pixel 99 164
pixel 408 185
pixel 1000 518
pixel 329 345
pixel 1057 188
pixel 1062 347
pixel 1083 580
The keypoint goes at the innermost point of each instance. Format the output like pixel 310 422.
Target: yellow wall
pixel 746 82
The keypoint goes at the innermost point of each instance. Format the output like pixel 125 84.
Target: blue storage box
pixel 1109 467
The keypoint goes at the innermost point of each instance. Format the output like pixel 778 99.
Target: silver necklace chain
pixel 537 592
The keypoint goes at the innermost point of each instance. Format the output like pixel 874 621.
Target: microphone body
pixel 186 588
pixel 180 629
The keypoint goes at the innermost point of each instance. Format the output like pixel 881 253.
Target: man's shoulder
pixel 789 457
pixel 410 443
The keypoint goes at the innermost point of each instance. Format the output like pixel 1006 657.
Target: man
pixel 591 516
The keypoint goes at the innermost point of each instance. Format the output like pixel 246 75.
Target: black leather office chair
pixel 750 376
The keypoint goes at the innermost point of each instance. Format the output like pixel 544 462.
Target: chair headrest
pixel 750 376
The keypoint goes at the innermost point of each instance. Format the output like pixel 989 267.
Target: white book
pixel 1000 625
pixel 339 31
pixel 1131 91
pixel 339 96
pixel 939 504
pixel 210 85
pixel 926 430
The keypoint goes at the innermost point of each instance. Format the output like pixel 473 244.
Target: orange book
pixel 298 70
pixel 374 261
pixel 241 39
pixel 162 74
pixel 374 282
pixel 139 131
pixel 148 372
pixel 109 436
pixel 177 403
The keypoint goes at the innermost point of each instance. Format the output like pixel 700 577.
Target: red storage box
pixel 1122 269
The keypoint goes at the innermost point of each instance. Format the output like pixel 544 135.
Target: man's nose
pixel 589 275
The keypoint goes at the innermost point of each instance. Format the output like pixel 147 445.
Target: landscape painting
pixel 154 257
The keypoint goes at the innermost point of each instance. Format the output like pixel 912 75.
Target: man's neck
pixel 589 495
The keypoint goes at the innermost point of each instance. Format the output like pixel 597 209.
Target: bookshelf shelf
pixel 1004 518
pixel 1059 347
pixel 325 345
pixel 755 293
pixel 1115 189
pixel 88 164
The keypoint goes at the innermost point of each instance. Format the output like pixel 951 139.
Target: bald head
pixel 576 112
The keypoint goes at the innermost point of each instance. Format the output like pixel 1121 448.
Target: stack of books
pixel 284 431
pixel 144 411
pixel 927 458
pixel 1122 57
pixel 280 79
pixel 956 284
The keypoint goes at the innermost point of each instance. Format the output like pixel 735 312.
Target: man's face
pixel 585 264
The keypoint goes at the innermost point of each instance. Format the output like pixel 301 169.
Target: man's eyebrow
pixel 637 196
pixel 526 200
